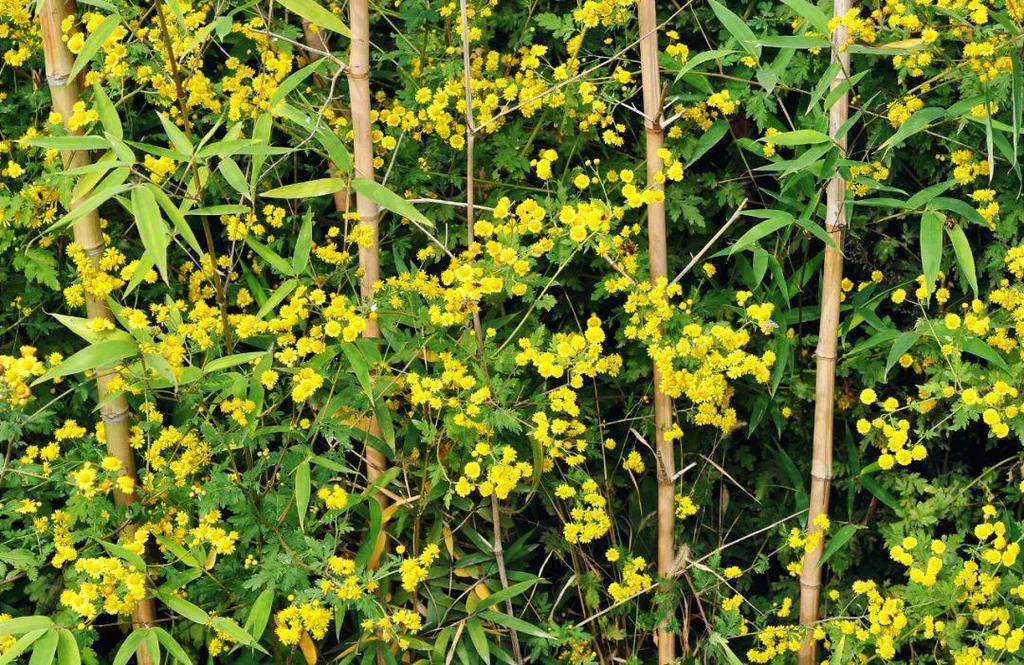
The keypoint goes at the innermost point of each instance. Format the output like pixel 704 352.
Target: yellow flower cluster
pixel 413 570
pixel 700 360
pixel 109 582
pixel 503 474
pixel 634 580
pixel 311 617
pixel 16 373
pixel 217 537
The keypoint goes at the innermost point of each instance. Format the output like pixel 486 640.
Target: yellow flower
pixel 868 396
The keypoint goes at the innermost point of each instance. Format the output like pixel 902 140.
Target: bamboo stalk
pixel 88 234
pixel 664 450
pixel 467 77
pixel 825 377
pixel 358 74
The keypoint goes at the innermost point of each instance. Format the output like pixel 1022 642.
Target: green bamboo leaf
pixel 302 490
pixel 505 594
pixel 303 244
pixel 388 200
pixel 836 542
pixel 152 228
pixel 360 367
pixel 176 136
pixel 735 26
pixel 325 136
pixel 294 80
pixel 917 122
pixel 707 141
pixel 95 355
pixel 179 551
pixel 22 625
pixel 67 648
pixel 176 216
pixel 233 360
pixel 931 246
pixel 21 646
pixel 259 614
pixel 317 14
pixel 701 58
pixel 926 195
pixel 234 176
pixel 774 220
pixel 797 137
pixel 217 211
pixel 902 344
pixel 964 256
pixel 190 611
pixel 277 297
pixel 93 44
pixel 372 534
pixel 479 639
pixel 270 256
pixel 45 648
pixel 880 493
pixel 130 644
pixel 108 113
pixel 1017 101
pixel 230 628
pixel 978 347
pixel 306 190
pixel 515 624
pixel 89 142
pixel 810 13
pixel 80 326
pixel 172 646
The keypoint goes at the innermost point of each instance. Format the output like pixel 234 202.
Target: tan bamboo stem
pixel 825 378
pixel 88 235
pixel 369 258
pixel 651 82
pixel 467 77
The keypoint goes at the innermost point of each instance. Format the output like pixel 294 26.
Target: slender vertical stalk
pixel 825 378
pixel 651 82
pixel 316 39
pixel 467 77
pixel 88 235
pixel 211 249
pixel 369 257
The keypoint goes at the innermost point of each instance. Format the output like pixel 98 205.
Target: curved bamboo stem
pixel 88 235
pixel 825 378
pixel 358 74
pixel 656 237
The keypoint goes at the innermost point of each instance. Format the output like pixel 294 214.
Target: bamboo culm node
pixel 88 234
pixel 826 356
